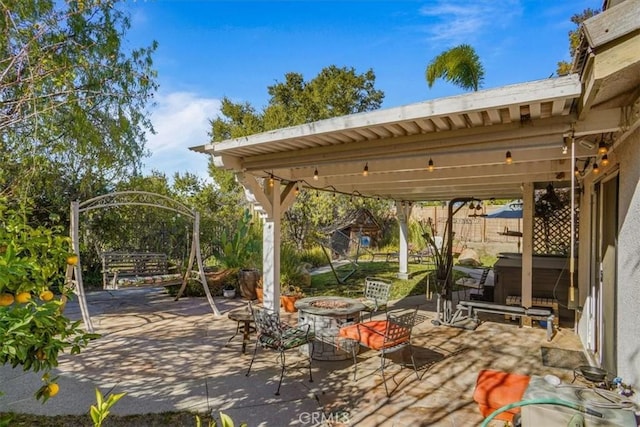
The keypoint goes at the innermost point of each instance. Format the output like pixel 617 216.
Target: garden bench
pixel 474 307
pixel 132 269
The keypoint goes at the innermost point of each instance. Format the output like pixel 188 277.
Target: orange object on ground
pixel 495 389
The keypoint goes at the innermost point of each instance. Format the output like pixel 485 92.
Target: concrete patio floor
pixel 171 356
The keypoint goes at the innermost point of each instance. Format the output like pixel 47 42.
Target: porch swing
pixel 122 264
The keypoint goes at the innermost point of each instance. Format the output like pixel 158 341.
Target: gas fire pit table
pixel 326 315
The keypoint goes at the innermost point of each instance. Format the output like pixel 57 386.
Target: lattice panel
pixel 552 232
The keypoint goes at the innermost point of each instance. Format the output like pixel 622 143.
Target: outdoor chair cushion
pixel 495 389
pixel 370 334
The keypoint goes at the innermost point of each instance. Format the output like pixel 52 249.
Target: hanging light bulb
pixel 365 171
pixel 315 174
pixel 602 147
pixel 565 147
pixel 576 171
pixel 507 158
pixel 430 166
pixel 605 160
pixel 472 206
pixel 271 180
pixel 297 191
pixel 479 206
pixel 596 169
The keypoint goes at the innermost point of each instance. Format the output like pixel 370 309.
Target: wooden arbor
pixel 135 198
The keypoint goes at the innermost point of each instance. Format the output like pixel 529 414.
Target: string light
pixel 315 175
pixel 430 168
pixel 605 160
pixel 596 169
pixel 271 180
pixel 365 171
pixel 602 147
pixel 565 148
pixel 508 159
pixel 297 190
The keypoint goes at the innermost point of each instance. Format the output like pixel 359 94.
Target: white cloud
pixel 181 120
pixel 460 22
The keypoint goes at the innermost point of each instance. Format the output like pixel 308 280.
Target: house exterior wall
pixel 627 158
pixel 628 297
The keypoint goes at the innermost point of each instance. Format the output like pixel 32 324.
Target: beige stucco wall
pixel 628 297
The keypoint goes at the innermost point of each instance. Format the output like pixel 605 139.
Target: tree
pixel 459 65
pixel 73 114
pixel 564 67
pixel 333 92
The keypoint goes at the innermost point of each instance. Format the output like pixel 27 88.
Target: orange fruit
pixel 72 260
pixel 6 300
pixel 46 295
pixel 52 389
pixel 23 297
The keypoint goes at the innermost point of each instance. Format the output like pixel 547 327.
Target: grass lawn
pixel 327 284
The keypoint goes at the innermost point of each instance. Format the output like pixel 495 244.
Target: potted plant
pixel 288 297
pixel 259 289
pixel 229 291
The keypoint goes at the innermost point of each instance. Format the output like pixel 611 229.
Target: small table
pixel 244 318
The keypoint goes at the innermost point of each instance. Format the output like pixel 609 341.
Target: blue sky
pixel 210 49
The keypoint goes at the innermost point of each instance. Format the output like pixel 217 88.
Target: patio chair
pixel 385 336
pixel 279 336
pixel 376 295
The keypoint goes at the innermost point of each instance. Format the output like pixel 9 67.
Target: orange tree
pixel 33 329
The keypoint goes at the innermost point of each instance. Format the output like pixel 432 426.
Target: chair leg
pixel 384 381
pixel 282 360
pixel 355 360
pixel 255 349
pixel 310 355
pixel 413 363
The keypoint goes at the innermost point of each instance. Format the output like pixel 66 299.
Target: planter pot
pixel 229 293
pixel 248 278
pixel 287 302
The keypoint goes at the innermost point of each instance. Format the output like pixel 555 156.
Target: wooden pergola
pixel 501 143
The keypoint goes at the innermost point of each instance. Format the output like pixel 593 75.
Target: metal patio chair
pixel 376 295
pixel 279 336
pixel 385 336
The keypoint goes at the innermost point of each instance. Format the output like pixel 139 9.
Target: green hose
pixel 542 401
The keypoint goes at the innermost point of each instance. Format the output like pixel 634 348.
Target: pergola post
pixel 271 248
pixel 527 248
pixel 404 212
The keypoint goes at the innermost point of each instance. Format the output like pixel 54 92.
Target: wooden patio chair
pixel 385 336
pixel 279 336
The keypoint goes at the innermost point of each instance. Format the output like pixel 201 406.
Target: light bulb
pixel 365 171
pixel 605 160
pixel 508 159
pixel 315 175
pixel 430 167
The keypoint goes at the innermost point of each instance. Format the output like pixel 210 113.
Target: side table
pixel 244 319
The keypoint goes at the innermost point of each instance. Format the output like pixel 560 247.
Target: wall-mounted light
pixel 507 158
pixel 430 166
pixel 365 171
pixel 315 174
pixel 605 160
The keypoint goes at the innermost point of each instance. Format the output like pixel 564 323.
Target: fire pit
pixel 327 315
